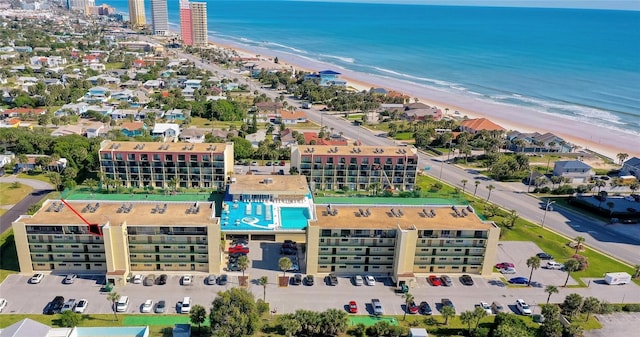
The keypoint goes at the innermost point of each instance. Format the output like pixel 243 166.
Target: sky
pixel 592 4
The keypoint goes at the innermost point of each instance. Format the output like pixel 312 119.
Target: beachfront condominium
pixel 166 165
pixel 159 17
pixel 199 23
pixel 358 168
pixel 136 13
pixel 80 5
pixel 186 30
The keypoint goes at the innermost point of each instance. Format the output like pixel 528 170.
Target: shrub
pixel 262 306
pixel 635 307
pixel 584 263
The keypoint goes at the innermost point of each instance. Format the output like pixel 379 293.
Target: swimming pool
pixel 241 215
pixel 294 217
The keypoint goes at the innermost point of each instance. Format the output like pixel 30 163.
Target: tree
pixel 590 305
pixel 477 182
pixel 551 327
pixel 570 266
pixel 243 263
pixel 234 313
pixel 113 297
pixel 490 188
pixel 91 183
pixel 285 264
pixel 198 315
pixel 550 289
pixel 464 184
pixel 468 317
pixel 572 304
pixel 579 240
pixel 533 263
pixel 447 312
pixel 512 218
pixel 69 319
pixel 56 180
pixel 263 281
pixel 408 298
pixel 636 271
pixel 479 313
pixel 333 322
pixel 622 157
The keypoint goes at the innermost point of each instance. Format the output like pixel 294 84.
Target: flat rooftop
pixel 147 147
pixel 349 217
pixel 272 184
pixel 386 151
pixel 142 213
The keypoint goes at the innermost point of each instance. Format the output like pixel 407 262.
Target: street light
pixel 546 208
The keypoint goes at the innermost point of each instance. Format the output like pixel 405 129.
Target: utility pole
pixel 546 208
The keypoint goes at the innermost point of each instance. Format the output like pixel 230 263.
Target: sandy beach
pixel 587 136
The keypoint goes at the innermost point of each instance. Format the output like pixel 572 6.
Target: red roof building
pixel 476 125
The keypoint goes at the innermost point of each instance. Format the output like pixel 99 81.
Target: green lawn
pixel 205 123
pixel 114 65
pixel 11 194
pixel 403 136
pixel 35 175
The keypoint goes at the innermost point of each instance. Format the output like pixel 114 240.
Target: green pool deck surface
pixel 85 195
pixel 164 320
pixel 390 201
pixel 371 320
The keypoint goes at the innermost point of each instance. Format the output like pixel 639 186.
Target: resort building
pixel 164 165
pixel 199 23
pixel 136 13
pixel 159 17
pixel 356 167
pixel 186 31
pixel 80 5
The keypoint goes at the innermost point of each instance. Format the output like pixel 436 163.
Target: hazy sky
pixel 594 4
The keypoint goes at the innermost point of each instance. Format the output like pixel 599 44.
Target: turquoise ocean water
pixel 584 64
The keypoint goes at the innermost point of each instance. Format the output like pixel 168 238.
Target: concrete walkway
pixel 40 190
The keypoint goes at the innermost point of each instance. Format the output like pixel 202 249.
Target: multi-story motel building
pixel 397 240
pixel 137 236
pixel 139 164
pixel 356 167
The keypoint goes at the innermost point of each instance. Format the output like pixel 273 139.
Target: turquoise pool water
pixel 294 217
pixel 130 331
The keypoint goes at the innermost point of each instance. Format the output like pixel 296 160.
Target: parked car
pixel 358 280
pixel 137 279
pixel 186 280
pixel 211 279
pixel 81 306
pixel 239 249
pixel 544 256
pixel 160 307
pixel 297 280
pixel 288 251
pixel 508 270
pixel 523 307
pixel 309 280
pixel 519 280
pixel 485 306
pixel 353 307
pixel 54 306
pixel 497 307
pixel 69 279
pixel 503 265
pixel 68 305
pixel 371 281
pixel 36 278
pixel 332 279
pixel 466 280
pixel 554 265
pixel 377 307
pixel 446 280
pixel 149 280
pixel 147 306
pixel 162 280
pixel 412 308
pixel 447 303
pixel 222 280
pixel 290 244
pixel 435 281
pixel 3 303
pixel 425 308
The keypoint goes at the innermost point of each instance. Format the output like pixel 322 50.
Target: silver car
pixel 377 307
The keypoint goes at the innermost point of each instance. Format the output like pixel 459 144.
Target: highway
pixel 598 235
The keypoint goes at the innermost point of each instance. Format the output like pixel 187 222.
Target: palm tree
pixel 447 312
pixel 477 182
pixel 622 157
pixel 636 272
pixel 113 297
pixel 285 264
pixel 467 317
pixel 408 298
pixel 550 290
pixel 263 281
pixel 570 266
pixel 579 240
pixel 490 188
pixel 464 184
pixel 243 263
pixel 533 263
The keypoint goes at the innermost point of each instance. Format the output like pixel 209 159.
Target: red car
pixel 353 307
pixel 412 308
pixel 505 265
pixel 238 249
pixel 435 281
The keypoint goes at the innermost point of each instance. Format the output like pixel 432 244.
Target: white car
pixel 69 305
pixel 35 279
pixel 358 280
pixel 186 280
pixel 81 306
pixel 137 279
pixel 554 265
pixel 508 270
pixel 523 307
pixel 485 306
pixel 370 280
pixel 147 306
pixel 3 303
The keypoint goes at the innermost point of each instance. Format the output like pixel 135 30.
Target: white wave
pixel 286 47
pixel 431 80
pixel 341 58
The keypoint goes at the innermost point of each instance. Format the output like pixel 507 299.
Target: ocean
pixel 579 63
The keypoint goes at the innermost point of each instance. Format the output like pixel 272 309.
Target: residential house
pixel 6 159
pixel 391 107
pixel 90 59
pixel 52 81
pixel 421 111
pixel 476 125
pixel 97 95
pixel 286 138
pixel 292 117
pixel 577 171
pixel 537 142
pixel 631 167
pixel 188 93
pixel 55 165
pixel 267 112
pixel 176 115
pixel 97 67
pixel 166 130
pixel 44 61
pixel 192 135
pixel 23 113
pixel 125 95
pixel 132 129
pixel 153 84
pixel 256 138
pixel 102 110
pixel 195 84
pixel 327 78
pixel 230 86
pixel 379 91
pixel 97 129
pixel 96 80
pixel 126 114
pixel 66 130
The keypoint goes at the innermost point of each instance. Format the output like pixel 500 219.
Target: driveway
pixel 40 190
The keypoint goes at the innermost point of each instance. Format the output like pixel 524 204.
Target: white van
pixel 185 307
pixel 122 304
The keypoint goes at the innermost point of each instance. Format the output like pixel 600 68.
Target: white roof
pixel 162 127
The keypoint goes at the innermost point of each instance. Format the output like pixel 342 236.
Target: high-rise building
pixel 159 17
pixel 199 23
pixel 80 5
pixel 186 31
pixel 136 13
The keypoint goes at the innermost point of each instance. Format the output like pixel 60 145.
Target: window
pixel 131 156
pixel 37 246
pixel 156 157
pixel 181 157
pixel 167 256
pixel 343 249
pixel 59 246
pixel 168 157
pixel 343 257
pixel 324 249
pixel 182 247
pixel 98 264
pixel 97 255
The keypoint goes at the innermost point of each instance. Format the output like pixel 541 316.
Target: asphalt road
pixel 41 189
pixel 598 235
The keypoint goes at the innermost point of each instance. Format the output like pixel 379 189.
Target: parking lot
pixel 32 298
